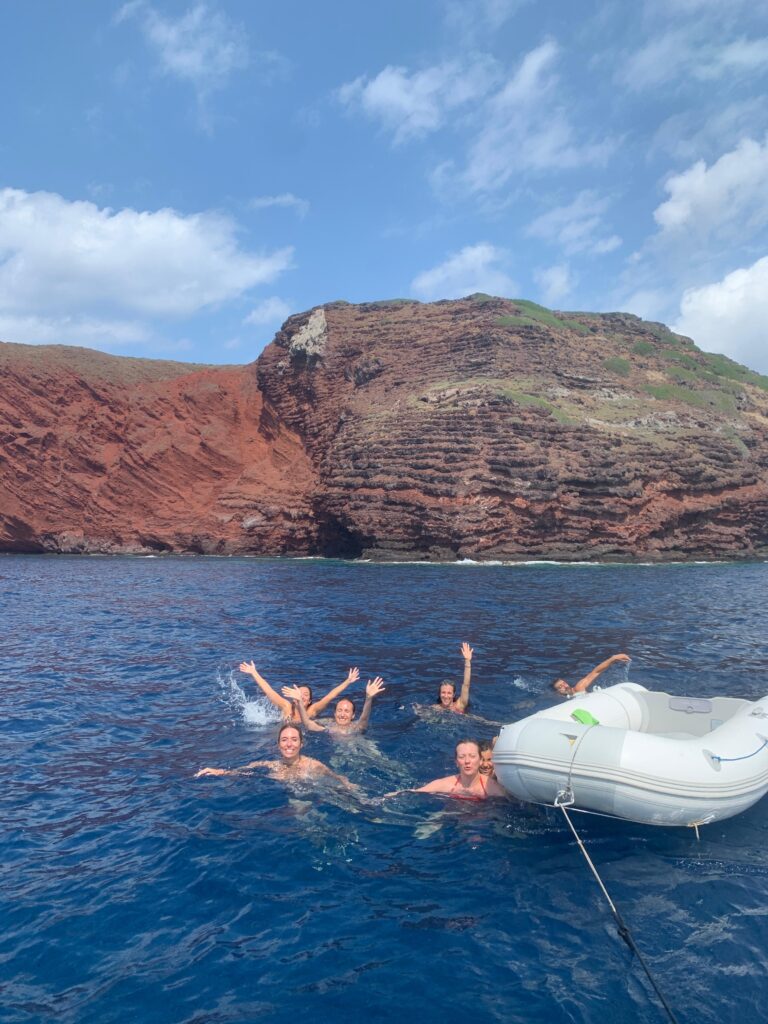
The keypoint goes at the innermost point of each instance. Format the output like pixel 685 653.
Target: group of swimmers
pixel 475 779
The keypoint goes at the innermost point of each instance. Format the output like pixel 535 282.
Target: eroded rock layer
pixel 480 428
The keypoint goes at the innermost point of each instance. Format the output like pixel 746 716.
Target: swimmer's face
pixel 344 712
pixel 468 758
pixel 562 687
pixel 290 744
pixel 486 762
pixel 447 693
pixel 306 695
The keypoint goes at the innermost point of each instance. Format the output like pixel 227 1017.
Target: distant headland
pixel 480 428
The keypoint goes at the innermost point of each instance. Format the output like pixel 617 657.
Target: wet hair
pixel 560 680
pixel 290 725
pixel 303 686
pixel 445 682
pixel 484 745
pixel 474 743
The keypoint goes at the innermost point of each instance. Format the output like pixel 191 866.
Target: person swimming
pixel 486 757
pixel 288 708
pixel 293 765
pixel 446 694
pixel 563 688
pixel 469 784
pixel 344 714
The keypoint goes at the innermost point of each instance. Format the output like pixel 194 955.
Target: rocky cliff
pixel 480 428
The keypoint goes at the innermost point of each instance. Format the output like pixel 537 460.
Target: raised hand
pixel 353 675
pixel 292 693
pixel 249 667
pixel 375 687
pixel 622 657
pixel 466 651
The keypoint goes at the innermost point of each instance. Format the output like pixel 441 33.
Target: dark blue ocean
pixel 131 892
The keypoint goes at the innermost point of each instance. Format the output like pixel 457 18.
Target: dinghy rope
pixel 563 799
pixel 745 757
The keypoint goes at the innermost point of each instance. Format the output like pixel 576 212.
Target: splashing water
pixel 257 712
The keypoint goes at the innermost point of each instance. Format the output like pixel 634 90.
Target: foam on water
pixel 259 712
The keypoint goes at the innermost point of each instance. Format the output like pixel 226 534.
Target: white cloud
pixel 413 104
pixel 648 303
pixel 524 124
pixel 731 196
pixel 659 61
pixel 466 17
pixel 710 128
pixel 286 199
pixel 576 227
pixel 731 315
pixel 74 259
pixel 268 311
pixel 555 283
pixel 740 55
pixel 476 268
pixel 202 46
pixel 70 330
pixel 526 128
pixel 690 53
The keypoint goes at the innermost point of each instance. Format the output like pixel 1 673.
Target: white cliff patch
pixel 310 339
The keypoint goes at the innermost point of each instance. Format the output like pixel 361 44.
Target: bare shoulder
pixel 444 785
pixel 310 766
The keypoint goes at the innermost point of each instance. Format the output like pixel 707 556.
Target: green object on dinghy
pixel 584 716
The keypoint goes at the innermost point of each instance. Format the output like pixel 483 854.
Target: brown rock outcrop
pixel 480 428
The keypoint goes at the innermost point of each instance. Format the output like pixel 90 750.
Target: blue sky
pixel 176 178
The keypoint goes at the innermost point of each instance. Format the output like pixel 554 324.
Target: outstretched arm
pixel 293 693
pixel 232 771
pixel 466 653
pixel 586 682
pixel 320 769
pixel 250 669
pixel 373 689
pixel 320 705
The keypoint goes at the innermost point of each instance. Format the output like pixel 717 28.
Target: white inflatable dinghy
pixel 641 755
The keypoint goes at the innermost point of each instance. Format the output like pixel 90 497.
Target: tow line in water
pixel 624 932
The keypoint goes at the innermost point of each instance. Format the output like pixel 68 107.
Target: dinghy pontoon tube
pixel 638 754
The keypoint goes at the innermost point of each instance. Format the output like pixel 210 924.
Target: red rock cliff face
pixel 481 428
pixel 100 453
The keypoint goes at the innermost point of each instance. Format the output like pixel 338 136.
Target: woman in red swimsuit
pixel 469 784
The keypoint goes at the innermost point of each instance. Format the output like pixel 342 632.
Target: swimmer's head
pixel 446 693
pixel 289 741
pixel 345 711
pixel 468 756
pixel 306 695
pixel 561 687
pixel 486 758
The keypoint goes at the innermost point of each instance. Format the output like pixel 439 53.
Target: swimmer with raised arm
pixel 562 687
pixel 290 710
pixel 343 717
pixel 292 766
pixel 469 784
pixel 446 694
